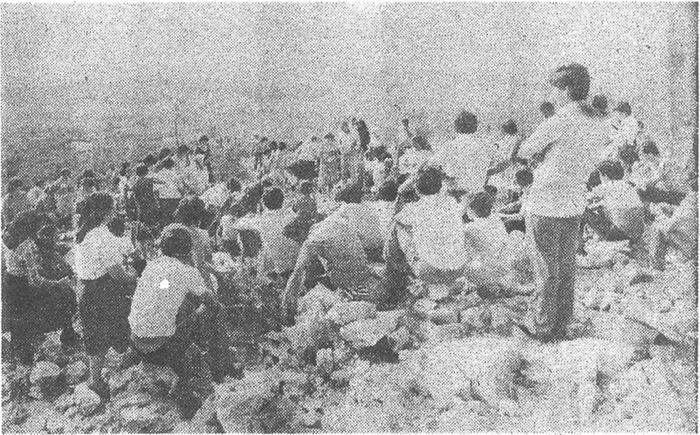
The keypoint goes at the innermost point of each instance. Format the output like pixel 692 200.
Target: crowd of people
pixel 345 211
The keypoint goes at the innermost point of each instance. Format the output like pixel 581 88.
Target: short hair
pixel 281 146
pixel 204 138
pixel 573 78
pixel 429 182
pixel 624 107
pixel 88 183
pixel 168 163
pixel 649 147
pixel 314 138
pixel 176 243
pixel 306 187
pixel 611 169
pixel 481 204
pixel 329 136
pixel 141 170
pixel 600 103
pixel 190 210
pixel 183 149
pixel 150 160
pixel 65 172
pixel 164 153
pixel 466 122
pixel 547 109
pixel 524 177
pixel 88 173
pixel 273 198
pixel 509 127
pixel 388 191
pixel 233 185
pixel 628 154
pixel 350 194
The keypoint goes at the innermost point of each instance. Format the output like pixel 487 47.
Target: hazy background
pixel 121 75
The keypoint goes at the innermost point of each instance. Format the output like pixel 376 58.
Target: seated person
pixel 304 205
pixel 333 255
pixel 678 232
pixel 514 212
pixel 362 219
pixel 279 254
pixel 429 232
pixel 651 175
pixel 617 213
pixel 628 156
pixel 491 249
pixel 172 309
pixel 384 205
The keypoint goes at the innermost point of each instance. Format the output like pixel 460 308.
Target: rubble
pixel 76 372
pixel 343 313
pixel 367 332
pixel 85 399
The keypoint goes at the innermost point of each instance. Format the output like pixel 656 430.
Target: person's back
pixel 620 200
pixel 364 221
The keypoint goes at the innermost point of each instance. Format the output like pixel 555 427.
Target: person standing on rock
pixel 557 197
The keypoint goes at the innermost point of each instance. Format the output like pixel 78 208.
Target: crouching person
pixel 172 309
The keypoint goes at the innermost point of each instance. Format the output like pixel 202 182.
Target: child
pixel 628 156
pixel 515 211
pixel 279 254
pixel 625 127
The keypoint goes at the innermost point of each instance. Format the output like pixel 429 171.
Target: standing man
pixel 203 148
pixel 349 151
pixel 557 197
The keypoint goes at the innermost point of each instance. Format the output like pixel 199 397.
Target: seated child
pixel 362 219
pixel 515 211
pixel 616 212
pixel 172 309
pixel 279 253
pixel 307 213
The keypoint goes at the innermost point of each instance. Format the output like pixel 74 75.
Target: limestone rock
pixel 477 318
pixel 44 372
pixel 367 332
pixel 85 399
pixel 443 316
pixel 317 299
pixel 76 372
pixel 347 312
pixel 309 332
pixel 399 339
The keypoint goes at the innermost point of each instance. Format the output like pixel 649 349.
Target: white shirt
pixel 159 294
pixel 99 251
pixel 437 230
pixel 345 141
pixel 466 159
pixel 365 222
pixel 559 187
pixel 618 194
pixel 488 237
pixel 169 188
pixel 35 195
pixel 279 253
pixel 412 159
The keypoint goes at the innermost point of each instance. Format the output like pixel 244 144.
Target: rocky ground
pixel 446 361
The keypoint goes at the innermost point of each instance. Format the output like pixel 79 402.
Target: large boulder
pixel 318 299
pixel 44 372
pixel 86 399
pixel 311 331
pixel 367 332
pixel 347 312
pixel 76 372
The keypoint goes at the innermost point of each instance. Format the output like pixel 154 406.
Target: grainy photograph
pixel 349 217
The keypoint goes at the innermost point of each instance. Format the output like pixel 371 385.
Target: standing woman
pixel 33 304
pixel 557 197
pixel 106 286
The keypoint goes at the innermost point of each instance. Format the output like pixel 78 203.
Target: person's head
pixel 168 163
pixel 141 170
pixel 571 83
pixel 306 187
pixel 624 108
pixel 345 127
pixel 124 170
pixel 281 146
pixel 183 151
pixel 466 123
pixel 329 137
pixel 547 109
pixel 649 149
pixel 524 177
pixel 190 211
pixel 65 173
pixel 117 226
pixel 641 125
pixel 99 209
pixel 429 182
pixel 273 198
pixel 491 190
pixel 204 140
pixel 350 194
pixel 509 128
pixel 88 184
pixel 176 243
pixel 481 204
pixel 164 153
pixel 388 191
pixel 150 160
pixel 388 161
pixel 24 226
pixel 600 103
pixel 610 170
pixel 628 155
pixel 233 185
pixel 272 146
pixel 15 185
pixel 88 173
pixel 420 143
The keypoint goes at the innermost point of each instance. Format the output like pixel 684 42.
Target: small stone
pixel 85 399
pixel 34 424
pixel 399 339
pixel 437 292
pixel 444 316
pixel 478 318
pixel 76 372
pixel 311 419
pixel 137 418
pixel 440 333
pixel 44 372
pixel 348 312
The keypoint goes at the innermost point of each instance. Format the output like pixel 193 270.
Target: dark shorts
pixel 104 312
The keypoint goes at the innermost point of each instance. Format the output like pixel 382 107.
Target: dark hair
pixel 164 153
pixel 183 149
pixel 420 142
pixel 350 194
pixel 574 79
pixel 176 243
pixel 611 169
pixel 168 163
pixel 204 138
pixel 88 173
pixel 329 136
pixel 233 185
pixel 117 226
pixel 624 107
pixel 14 185
pixel 524 177
pixel 466 122
pixel 491 189
pixel 649 147
pixel 88 183
pixel 306 187
pixel 509 127
pixel 281 146
pixel 149 160
pixel 24 226
pixel 388 191
pixel 429 182
pixel 97 207
pixel 273 198
pixel 65 172
pixel 190 211
pixel 122 171
pixel 547 109
pixel 600 103
pixel 628 154
pixel 141 170
pixel 481 204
